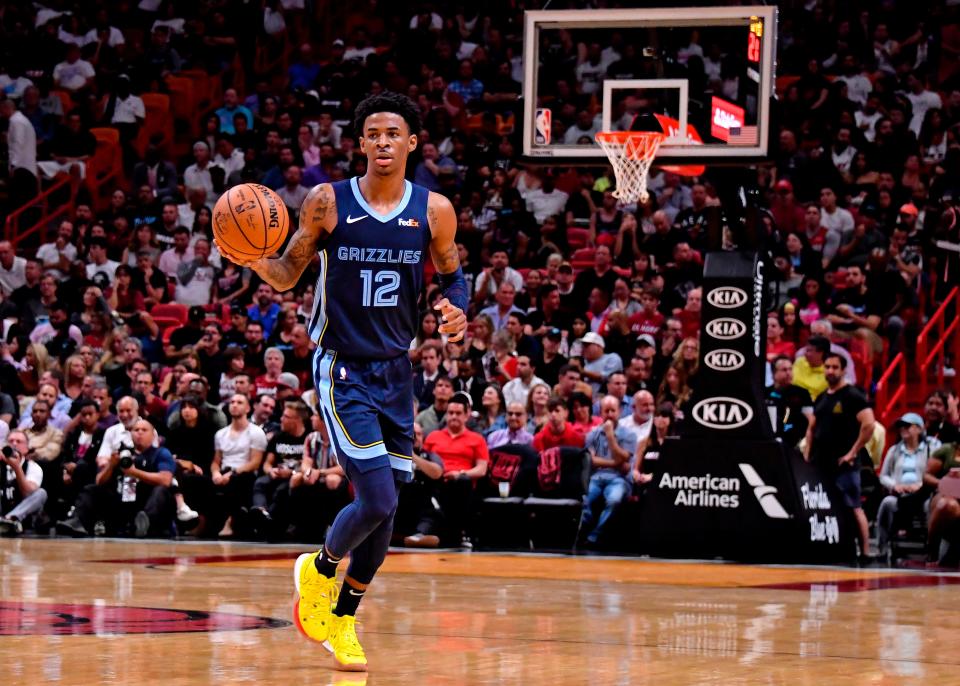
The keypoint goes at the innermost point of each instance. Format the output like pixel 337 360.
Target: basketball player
pixel 373 235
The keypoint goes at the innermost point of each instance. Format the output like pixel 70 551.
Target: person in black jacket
pixel 78 455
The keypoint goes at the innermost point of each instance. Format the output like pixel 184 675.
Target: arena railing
pixel 934 339
pixel 47 207
pixel 890 403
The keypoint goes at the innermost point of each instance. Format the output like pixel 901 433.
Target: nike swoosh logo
pixel 352 592
pixel 351 220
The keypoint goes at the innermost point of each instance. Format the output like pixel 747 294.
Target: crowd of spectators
pixel 120 423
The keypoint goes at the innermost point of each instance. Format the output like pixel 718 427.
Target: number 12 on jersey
pixel 381 296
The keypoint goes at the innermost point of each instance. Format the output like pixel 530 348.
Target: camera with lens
pixel 126 456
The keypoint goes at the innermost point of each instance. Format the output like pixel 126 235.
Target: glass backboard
pixel 705 75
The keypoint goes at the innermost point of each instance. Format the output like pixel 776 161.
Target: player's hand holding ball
pixel 454 320
pixel 250 222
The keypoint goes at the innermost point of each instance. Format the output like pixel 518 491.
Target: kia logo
pixel 727 297
pixel 722 413
pixel 724 359
pixel 726 329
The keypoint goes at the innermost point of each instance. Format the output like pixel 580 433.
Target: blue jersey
pixel 371 273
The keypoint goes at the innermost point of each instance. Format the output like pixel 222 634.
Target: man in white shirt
pixel 57 256
pixel 546 201
pixel 922 100
pixel 181 252
pixel 598 365
pixel 73 74
pixel 517 389
pixel 195 277
pixel 197 175
pixel 12 269
pixel 128 411
pixel 21 152
pixel 640 420
pixel 841 152
pixel 238 452
pixel 228 155
pixel 99 268
pixel 585 126
pixel 858 85
pixel 293 192
pixel 500 272
pixel 833 217
pixel 868 117
pixel 187 212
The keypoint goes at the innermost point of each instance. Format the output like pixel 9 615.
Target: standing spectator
pixel 21 153
pixel 611 448
pixel 839 428
pixel 516 432
pixel 21 497
pixel 465 458
pixel 238 453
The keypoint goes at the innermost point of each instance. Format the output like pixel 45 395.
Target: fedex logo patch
pixel 413 223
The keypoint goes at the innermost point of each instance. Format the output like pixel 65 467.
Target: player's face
pixel 387 141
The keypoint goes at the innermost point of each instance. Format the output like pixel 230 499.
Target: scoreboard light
pixel 754 40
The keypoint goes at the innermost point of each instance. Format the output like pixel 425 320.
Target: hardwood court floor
pixel 111 612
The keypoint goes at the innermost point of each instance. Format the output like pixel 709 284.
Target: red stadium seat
pixel 169 315
pixel 577 238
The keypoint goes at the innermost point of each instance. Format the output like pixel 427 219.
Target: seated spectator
pixel 21 496
pixel 43 438
pixel 792 404
pixel 941 416
pixel 640 418
pixel 283 457
pixel 56 256
pixel 78 457
pixel 648 450
pixel 265 310
pixel 808 369
pixel 184 337
pixel 468 381
pixel 776 345
pixel 132 497
pixel 491 415
pixel 73 74
pixel 59 407
pixel 434 417
pixel 266 384
pixel 557 432
pixel 902 475
pixel 318 488
pixel 504 307
pixel 490 280
pixel 537 412
pixel 611 447
pixel 238 453
pixel 194 281
pixel 570 382
pixel 517 389
pixel 550 361
pixel 465 457
pixel 516 432
pixel 178 254
pixel 420 496
pixel 582 418
pixel 426 375
pixel 158 174
pixel 598 366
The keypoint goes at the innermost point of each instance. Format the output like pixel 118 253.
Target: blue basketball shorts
pixel 367 407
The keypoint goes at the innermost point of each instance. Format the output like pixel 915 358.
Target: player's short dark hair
pixel 387 102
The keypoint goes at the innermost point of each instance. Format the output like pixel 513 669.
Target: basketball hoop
pixel 631 153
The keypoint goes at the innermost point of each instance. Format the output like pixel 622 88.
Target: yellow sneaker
pixel 315 597
pixel 342 642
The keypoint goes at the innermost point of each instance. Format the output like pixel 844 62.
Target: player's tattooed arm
pixel 446 258
pixel 318 217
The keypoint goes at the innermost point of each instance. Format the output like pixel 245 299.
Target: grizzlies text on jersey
pixel 371 273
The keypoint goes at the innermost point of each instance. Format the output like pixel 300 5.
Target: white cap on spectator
pixel 595 338
pixel 289 380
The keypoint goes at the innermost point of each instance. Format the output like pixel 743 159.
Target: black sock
pixel 349 599
pixel 326 564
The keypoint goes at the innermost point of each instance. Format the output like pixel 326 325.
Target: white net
pixel 631 153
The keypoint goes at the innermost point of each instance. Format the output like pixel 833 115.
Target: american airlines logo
pixel 724 360
pixel 727 297
pixel 766 495
pixel 725 328
pixel 413 223
pixel 722 412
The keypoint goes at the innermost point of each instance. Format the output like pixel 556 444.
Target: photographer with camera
pixel 132 491
pixel 21 497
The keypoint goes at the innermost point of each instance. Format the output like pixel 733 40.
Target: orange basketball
pixel 250 221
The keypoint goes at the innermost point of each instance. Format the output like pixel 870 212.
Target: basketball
pixel 250 221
